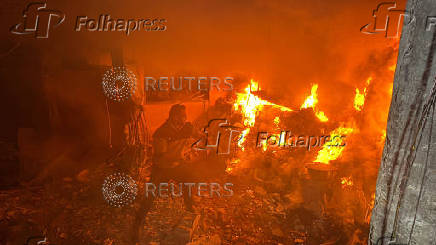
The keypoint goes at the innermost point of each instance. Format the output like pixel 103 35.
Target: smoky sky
pixel 285 45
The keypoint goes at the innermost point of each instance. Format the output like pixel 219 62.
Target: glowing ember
pixel 276 121
pixel 346 181
pixel 382 137
pixel 359 98
pixel 392 67
pixel 311 102
pixel 232 165
pixel 333 149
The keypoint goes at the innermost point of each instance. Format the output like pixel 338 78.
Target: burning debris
pixel 311 102
pixel 326 173
pixel 359 99
pixel 250 104
pixel 282 193
pixel 288 195
pixel 330 152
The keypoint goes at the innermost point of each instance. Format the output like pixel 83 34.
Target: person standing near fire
pixel 172 160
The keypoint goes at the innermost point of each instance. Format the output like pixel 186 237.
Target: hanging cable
pixel 109 124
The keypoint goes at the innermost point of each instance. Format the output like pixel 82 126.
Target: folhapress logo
pixel 37 20
pixel 221 129
pixel 386 19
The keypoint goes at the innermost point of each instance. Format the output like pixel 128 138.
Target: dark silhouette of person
pixel 170 161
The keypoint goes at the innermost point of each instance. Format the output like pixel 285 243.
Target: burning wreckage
pixel 287 185
pixel 312 178
pixel 280 173
pixel 258 168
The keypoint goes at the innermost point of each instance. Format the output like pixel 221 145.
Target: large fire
pixel 250 105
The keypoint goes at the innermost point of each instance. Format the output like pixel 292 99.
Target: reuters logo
pixel 119 189
pixel 119 83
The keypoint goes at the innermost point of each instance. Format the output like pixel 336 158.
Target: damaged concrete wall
pixel 405 205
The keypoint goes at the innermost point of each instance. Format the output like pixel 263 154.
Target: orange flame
pixel 333 149
pixel 359 98
pixel 321 116
pixel 251 104
pixel 312 99
pixel 311 102
pixel 277 121
pixel 242 138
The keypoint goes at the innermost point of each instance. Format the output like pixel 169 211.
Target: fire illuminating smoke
pixel 333 149
pixel 311 102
